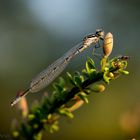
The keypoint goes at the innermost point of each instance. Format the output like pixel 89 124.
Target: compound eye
pixel 100 32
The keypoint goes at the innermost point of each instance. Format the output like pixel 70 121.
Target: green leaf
pixel 123 72
pixel 77 81
pixel 83 96
pixel 82 78
pixel 55 127
pixel 38 136
pixel 61 82
pixel 84 71
pixel 87 67
pixel 91 63
pixel 70 78
pixel 58 87
pixel 92 73
pixel 106 77
pixel 103 63
pixel 90 70
pixel 65 112
pixel 51 127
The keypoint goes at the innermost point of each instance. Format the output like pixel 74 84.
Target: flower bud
pixel 23 107
pixel 78 103
pixel 108 44
pixel 111 75
pixel 98 88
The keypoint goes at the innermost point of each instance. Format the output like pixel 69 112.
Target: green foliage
pixel 64 111
pixel 59 89
pixel 76 80
pixel 89 71
pixel 83 96
pixel 45 115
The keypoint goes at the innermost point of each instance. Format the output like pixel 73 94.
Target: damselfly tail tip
pixel 15 101
pixel 100 33
pixel 19 96
pixel 12 103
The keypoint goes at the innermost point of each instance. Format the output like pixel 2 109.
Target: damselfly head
pixel 100 33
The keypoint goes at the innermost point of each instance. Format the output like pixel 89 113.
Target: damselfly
pixel 50 73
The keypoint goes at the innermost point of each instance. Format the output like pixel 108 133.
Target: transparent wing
pixel 50 73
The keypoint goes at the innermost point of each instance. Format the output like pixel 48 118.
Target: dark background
pixel 33 33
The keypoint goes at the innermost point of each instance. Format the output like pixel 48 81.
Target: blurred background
pixel 34 33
